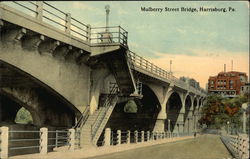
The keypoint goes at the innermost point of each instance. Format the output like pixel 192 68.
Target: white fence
pixel 119 137
pixel 34 141
pixel 238 145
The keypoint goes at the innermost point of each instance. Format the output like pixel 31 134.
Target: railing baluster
pixel 39 10
pixel 68 23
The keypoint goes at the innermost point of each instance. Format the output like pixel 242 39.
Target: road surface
pixel 202 147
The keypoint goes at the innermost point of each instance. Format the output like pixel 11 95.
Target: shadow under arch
pixel 188 104
pixel 144 119
pixel 173 107
pixel 47 93
pixel 195 104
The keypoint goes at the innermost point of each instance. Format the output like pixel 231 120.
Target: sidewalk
pixel 97 151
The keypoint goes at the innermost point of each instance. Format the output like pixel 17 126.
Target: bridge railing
pixel 16 142
pixel 138 61
pixel 118 137
pixel 45 12
pixel 238 145
pixel 111 35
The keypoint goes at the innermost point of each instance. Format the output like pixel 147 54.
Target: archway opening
pixel 188 104
pixel 195 104
pixel 23 116
pixel 136 114
pixel 173 105
pixel 130 107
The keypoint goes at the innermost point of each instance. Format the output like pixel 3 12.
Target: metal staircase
pixel 82 119
pixel 96 122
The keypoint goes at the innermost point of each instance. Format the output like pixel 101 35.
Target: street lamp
pixel 107 8
pixel 244 107
pixel 169 125
pixel 228 127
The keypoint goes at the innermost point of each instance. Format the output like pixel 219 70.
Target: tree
pixel 217 111
pixel 130 107
pixel 23 116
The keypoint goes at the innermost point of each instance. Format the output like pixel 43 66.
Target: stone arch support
pixel 44 108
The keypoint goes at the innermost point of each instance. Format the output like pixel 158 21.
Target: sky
pixel 198 43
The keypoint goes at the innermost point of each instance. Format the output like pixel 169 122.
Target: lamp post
pixel 107 8
pixel 244 107
pixel 228 127
pixel 169 125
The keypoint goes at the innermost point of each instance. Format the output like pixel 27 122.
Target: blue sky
pixel 198 43
pixel 178 33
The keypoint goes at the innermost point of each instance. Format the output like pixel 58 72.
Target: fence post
pixel 128 137
pixel 4 142
pixel 39 10
pixel 107 137
pixel 56 138
pixel 119 34
pixel 142 136
pixel 72 139
pixel 43 140
pixel 148 135
pixel 119 137
pixel 156 135
pixel 89 33
pixel 68 23
pixel 136 136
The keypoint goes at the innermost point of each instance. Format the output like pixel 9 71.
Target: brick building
pixel 227 83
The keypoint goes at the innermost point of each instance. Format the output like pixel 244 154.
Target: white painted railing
pixel 36 140
pixel 137 61
pixel 238 145
pixel 119 137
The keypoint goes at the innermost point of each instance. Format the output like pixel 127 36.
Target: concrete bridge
pixel 69 74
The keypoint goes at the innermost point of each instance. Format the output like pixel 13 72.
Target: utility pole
pixel 170 67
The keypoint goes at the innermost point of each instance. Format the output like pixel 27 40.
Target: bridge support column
pixel 179 126
pixel 160 121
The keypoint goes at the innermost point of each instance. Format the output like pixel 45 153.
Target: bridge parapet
pixel 43 12
pixel 137 61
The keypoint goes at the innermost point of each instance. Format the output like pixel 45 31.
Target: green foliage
pixel 130 107
pixel 217 111
pixel 23 116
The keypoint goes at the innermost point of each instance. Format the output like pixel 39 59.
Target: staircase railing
pixel 101 115
pixel 83 118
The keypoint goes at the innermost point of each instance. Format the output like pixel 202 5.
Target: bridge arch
pixel 173 108
pixel 47 107
pixel 188 105
pixel 195 103
pixel 144 118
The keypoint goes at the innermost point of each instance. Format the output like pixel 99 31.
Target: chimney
pixel 224 67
